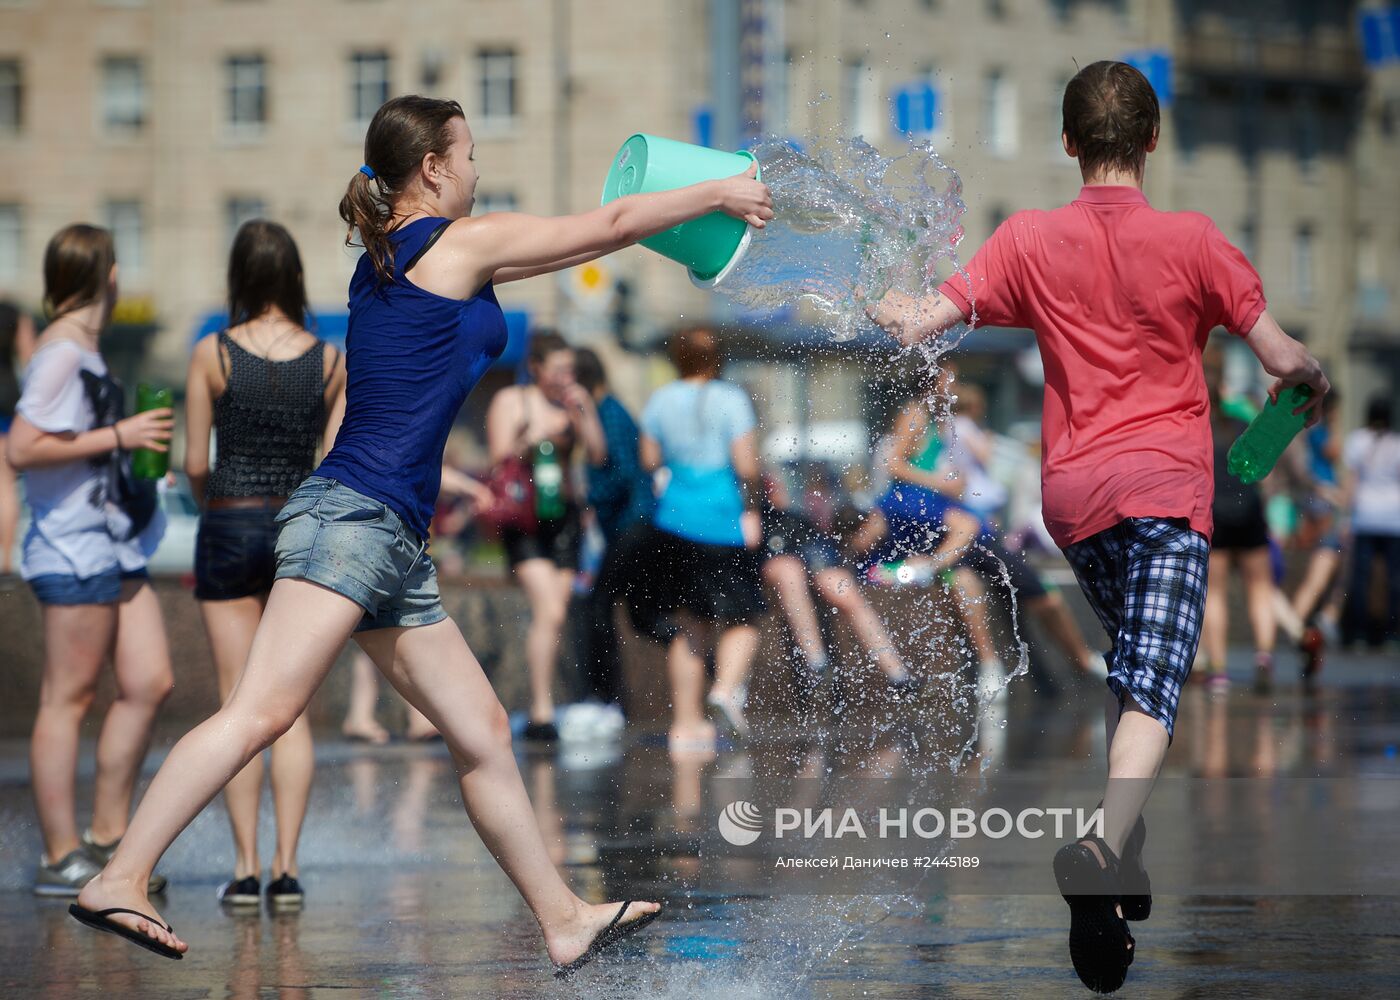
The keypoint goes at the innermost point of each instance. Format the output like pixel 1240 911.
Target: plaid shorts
pixel 1146 580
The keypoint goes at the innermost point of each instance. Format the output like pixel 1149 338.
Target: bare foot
pixel 422 733
pixel 370 732
pixel 567 943
pixel 98 896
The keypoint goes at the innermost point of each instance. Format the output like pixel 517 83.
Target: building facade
pixel 173 121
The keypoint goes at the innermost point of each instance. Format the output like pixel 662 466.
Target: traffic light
pixel 622 310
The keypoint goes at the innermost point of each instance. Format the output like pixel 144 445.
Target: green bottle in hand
pixel 549 483
pixel 145 463
pixel 1257 450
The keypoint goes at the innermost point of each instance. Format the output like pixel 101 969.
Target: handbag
pixel 512 487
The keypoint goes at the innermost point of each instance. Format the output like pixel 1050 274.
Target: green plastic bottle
pixel 549 483
pixel 1257 450
pixel 145 463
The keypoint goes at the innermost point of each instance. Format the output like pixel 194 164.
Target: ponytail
pixel 402 132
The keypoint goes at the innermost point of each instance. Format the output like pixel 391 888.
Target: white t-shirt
pixel 1375 459
pixel 981 493
pixel 78 529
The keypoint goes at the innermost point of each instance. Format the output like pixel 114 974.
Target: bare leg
pixel 231 626
pixel 1137 746
pixel 1216 623
pixel 549 606
pixel 838 588
pixel 788 577
pixel 298 638
pixel 1053 613
pixel 360 722
pixel 9 509
pixel 144 680
pixel 76 641
pixel 293 764
pixel 1285 616
pixel 1258 573
pixel 1322 570
pixel 734 653
pixel 433 669
pixel 971 600
pixel 687 673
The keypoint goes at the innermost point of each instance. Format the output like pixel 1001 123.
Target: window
pixel 128 234
pixel 777 101
pixel 123 94
pixel 240 209
pixel 1303 265
pixel 11 96
pixel 245 78
pixel 369 84
pixel 1308 134
pixel 11 245
pixel 861 101
pixel 996 215
pixel 497 86
pixel 999 114
pixel 495 201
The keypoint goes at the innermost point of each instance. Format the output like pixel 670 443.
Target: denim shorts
pixel 66 589
pixel 347 542
pixel 235 554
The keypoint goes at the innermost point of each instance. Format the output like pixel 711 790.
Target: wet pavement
pixel 403 901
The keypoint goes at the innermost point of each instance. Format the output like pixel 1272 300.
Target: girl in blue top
pixel 424 326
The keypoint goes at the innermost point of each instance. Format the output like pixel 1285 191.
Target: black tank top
pixel 268 421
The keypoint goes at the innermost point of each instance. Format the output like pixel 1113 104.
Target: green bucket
pixel 710 245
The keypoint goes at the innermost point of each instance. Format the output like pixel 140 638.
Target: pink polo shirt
pixel 1121 298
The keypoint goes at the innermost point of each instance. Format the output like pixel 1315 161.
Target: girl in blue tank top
pixel 351 553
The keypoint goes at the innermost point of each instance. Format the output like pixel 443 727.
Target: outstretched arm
pixel 913 319
pixel 472 251
pixel 1289 363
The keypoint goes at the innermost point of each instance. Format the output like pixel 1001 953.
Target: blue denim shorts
pixel 66 589
pixel 347 542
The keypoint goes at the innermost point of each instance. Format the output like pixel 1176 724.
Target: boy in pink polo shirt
pixel 1121 298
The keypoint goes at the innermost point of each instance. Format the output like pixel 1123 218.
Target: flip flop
pixel 606 938
pixel 1099 940
pixel 99 920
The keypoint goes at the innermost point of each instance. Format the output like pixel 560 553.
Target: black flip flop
pixel 606 938
pixel 1099 940
pixel 99 921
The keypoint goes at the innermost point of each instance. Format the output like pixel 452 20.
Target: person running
pixel 1121 298
pixel 272 393
pixel 351 552
pixel 1241 541
pixel 540 424
pixel 704 550
pixel 1372 457
pixel 621 495
pixel 93 527
pixel 799 560
pixel 16 346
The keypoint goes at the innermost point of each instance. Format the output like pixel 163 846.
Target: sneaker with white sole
pixel 66 876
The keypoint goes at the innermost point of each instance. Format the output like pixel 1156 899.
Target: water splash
pixel 850 224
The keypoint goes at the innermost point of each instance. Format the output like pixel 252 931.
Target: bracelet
pixel 118 435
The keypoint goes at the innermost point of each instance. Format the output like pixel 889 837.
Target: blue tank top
pixel 411 359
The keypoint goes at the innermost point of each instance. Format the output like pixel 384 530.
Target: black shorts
pixel 987 557
pixel 716 583
pixel 1240 535
pixel 558 541
pixel 235 554
pixel 788 534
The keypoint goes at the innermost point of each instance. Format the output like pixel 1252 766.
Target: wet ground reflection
pixel 404 902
